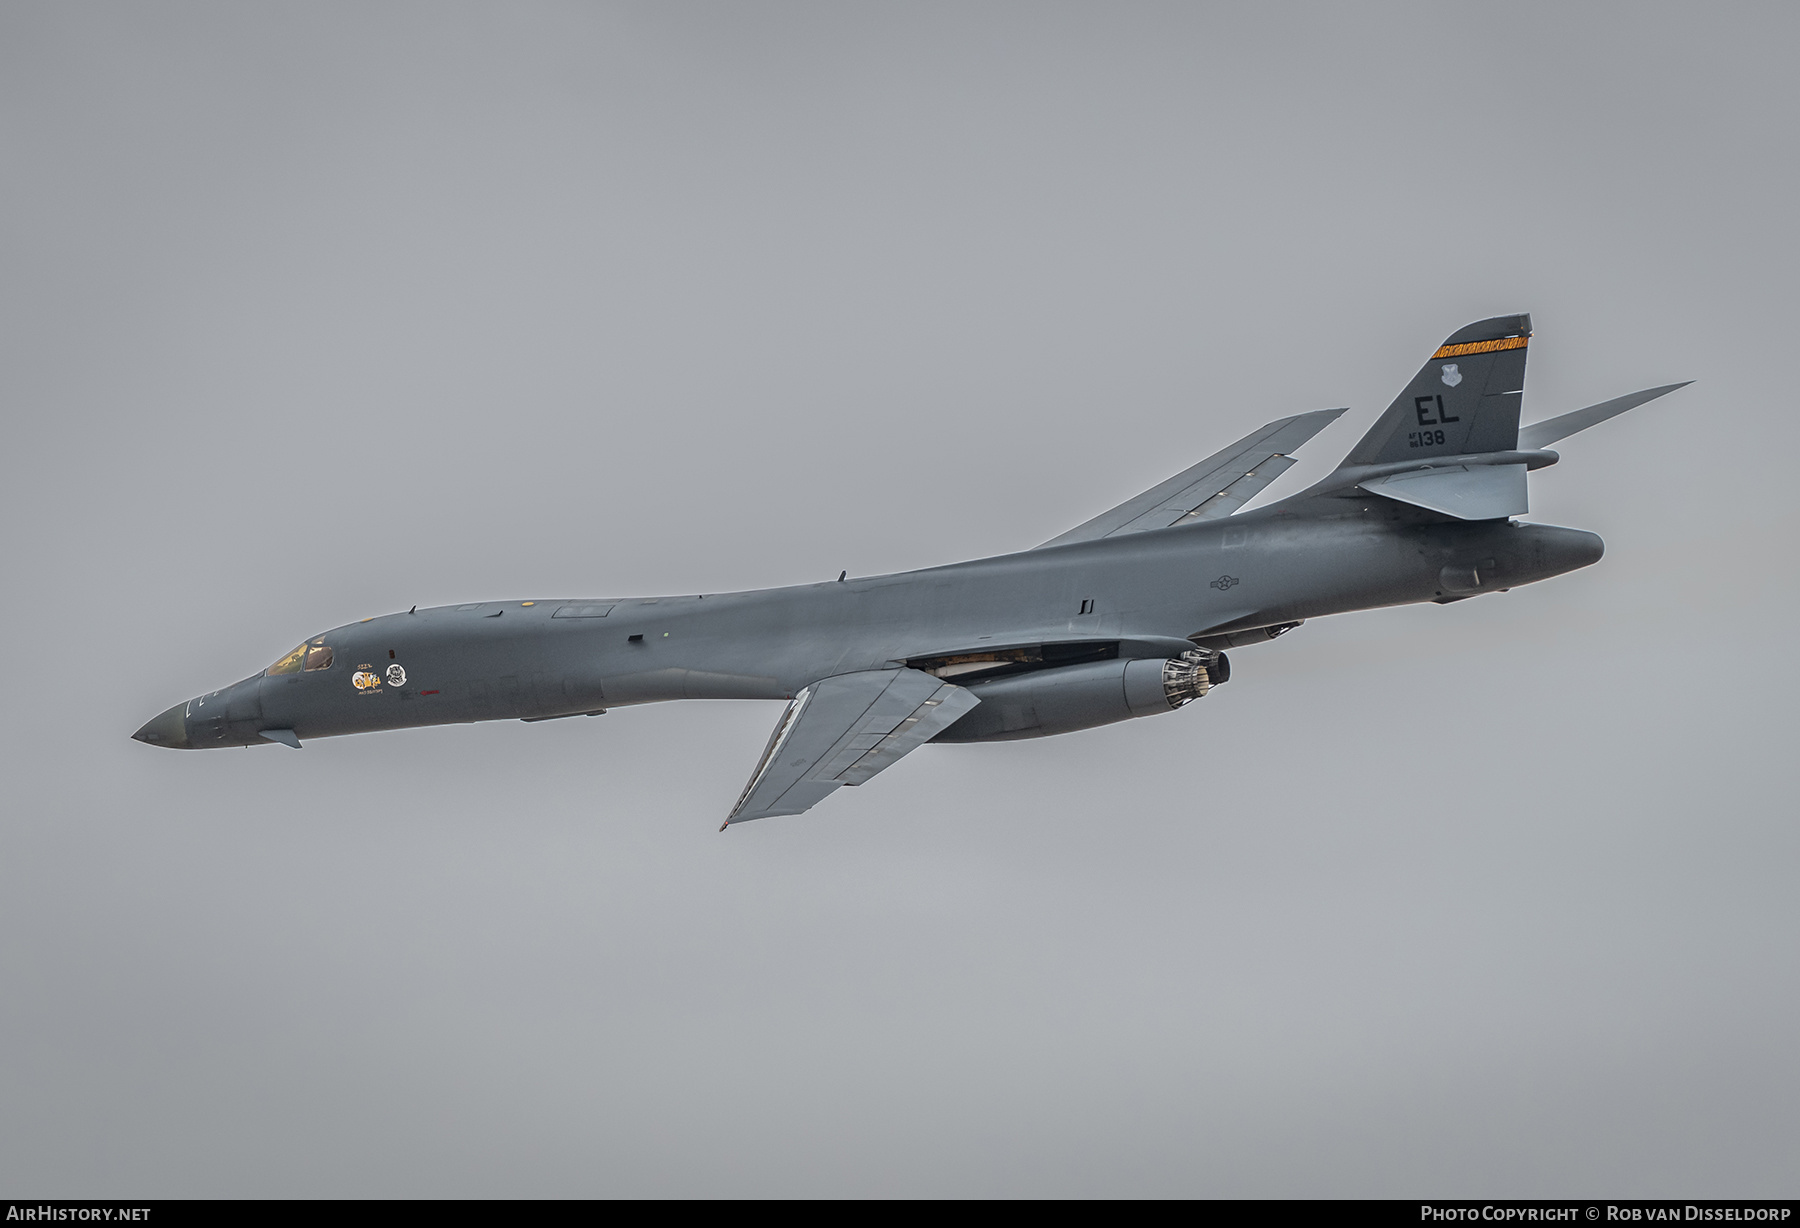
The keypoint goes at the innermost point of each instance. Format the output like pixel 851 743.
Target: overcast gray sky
pixel 311 312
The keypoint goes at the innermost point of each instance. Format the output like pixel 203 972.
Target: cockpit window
pixel 289 664
pixel 318 657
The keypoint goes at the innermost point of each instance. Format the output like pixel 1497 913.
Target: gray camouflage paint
pixel 1152 591
pixel 1144 595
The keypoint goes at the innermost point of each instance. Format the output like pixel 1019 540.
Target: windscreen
pixel 307 657
pixel 289 664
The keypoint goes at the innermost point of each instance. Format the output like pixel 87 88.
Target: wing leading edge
pixel 843 730
pixel 1215 487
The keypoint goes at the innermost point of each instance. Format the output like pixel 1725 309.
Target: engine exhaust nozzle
pixel 1191 675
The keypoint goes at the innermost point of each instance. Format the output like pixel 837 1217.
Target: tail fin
pixel 1465 400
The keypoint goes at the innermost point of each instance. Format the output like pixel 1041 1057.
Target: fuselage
pixel 1140 595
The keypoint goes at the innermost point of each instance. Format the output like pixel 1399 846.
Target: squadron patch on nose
pixel 396 674
pixel 1452 377
pixel 365 679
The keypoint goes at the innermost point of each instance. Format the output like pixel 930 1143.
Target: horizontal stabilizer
pixel 1467 492
pixel 843 730
pixel 1543 434
pixel 1215 487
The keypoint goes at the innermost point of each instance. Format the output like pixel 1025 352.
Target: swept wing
pixel 843 730
pixel 1217 486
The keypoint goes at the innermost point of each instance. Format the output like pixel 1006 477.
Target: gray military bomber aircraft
pixel 1127 615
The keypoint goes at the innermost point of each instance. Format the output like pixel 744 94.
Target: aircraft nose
pixel 168 729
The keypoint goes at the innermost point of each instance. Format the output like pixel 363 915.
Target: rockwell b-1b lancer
pixel 1124 616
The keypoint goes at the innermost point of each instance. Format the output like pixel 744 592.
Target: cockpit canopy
pixel 309 656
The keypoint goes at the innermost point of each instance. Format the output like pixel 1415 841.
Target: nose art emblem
pixel 1452 377
pixel 396 675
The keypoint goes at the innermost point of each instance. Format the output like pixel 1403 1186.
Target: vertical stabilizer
pixel 1464 400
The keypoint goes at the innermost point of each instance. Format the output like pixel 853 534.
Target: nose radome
pixel 169 729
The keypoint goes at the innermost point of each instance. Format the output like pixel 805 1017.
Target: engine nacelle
pixel 1050 701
